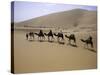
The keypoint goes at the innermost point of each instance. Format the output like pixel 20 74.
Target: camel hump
pixel 72 35
pixel 29 33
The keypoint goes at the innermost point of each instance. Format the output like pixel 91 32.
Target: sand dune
pixel 66 19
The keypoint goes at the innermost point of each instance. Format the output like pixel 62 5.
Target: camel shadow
pixel 51 41
pixel 41 40
pixel 61 43
pixel 73 45
pixel 92 50
pixel 30 40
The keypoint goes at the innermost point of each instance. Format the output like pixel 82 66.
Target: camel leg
pixel 48 38
pixel 92 44
pixel 43 38
pixel 69 42
pixel 38 38
pixel 74 41
pixel 33 37
pixel 86 45
pixel 62 38
pixel 53 38
pixel 30 38
pixel 26 37
pixel 58 39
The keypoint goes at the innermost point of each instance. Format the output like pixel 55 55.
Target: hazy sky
pixel 27 10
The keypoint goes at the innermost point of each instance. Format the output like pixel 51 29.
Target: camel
pixel 59 35
pixel 40 35
pixel 27 36
pixel 30 34
pixel 50 34
pixel 71 37
pixel 88 41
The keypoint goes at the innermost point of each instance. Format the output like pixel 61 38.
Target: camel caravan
pixel 60 37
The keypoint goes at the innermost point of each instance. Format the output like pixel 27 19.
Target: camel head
pixel 36 33
pixel 45 34
pixel 66 36
pixel 82 40
pixel 55 34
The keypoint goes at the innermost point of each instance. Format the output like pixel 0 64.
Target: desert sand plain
pixel 36 56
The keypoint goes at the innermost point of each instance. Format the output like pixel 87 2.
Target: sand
pixel 35 56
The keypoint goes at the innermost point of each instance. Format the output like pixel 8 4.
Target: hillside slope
pixel 65 19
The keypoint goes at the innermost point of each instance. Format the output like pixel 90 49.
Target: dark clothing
pixel 50 32
pixel 90 38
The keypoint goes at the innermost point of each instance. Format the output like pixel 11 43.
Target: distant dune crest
pixel 65 19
